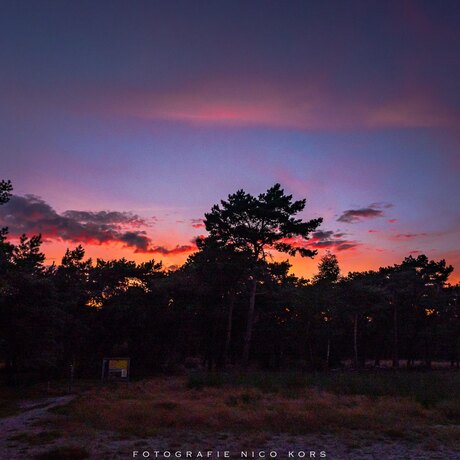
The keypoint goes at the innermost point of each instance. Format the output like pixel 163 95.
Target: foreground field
pixel 346 415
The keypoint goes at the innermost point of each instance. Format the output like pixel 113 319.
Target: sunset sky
pixel 122 123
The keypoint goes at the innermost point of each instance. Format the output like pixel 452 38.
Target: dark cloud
pixel 352 216
pixel 105 217
pixel 381 205
pixel 325 239
pixel 137 239
pixel 179 249
pixel 344 246
pixel 32 215
pixel 323 234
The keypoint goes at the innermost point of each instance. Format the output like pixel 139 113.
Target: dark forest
pixel 229 306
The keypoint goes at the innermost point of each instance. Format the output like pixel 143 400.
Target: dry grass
pixel 143 409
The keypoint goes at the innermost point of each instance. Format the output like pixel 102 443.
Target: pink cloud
pixel 310 103
pixel 197 223
pixel 408 236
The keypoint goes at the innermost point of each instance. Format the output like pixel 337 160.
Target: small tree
pixel 328 269
pixel 5 191
pixel 325 286
pixel 256 224
pixel 360 295
pixel 6 248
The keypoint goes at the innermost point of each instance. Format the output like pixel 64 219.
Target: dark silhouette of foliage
pixel 5 191
pixel 79 311
pixel 254 225
pixel 328 269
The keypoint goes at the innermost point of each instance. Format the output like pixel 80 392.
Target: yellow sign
pixel 118 364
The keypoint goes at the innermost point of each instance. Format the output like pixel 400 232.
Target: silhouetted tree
pixel 360 298
pixel 255 225
pixel 222 272
pixel 325 288
pixel 407 287
pixel 328 269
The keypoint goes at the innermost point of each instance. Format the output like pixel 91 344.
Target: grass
pixel 10 397
pixel 428 388
pixel 399 405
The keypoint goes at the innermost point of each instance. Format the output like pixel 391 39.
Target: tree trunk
pixel 250 322
pixel 395 338
pixel 228 335
pixel 307 347
pixel 355 341
pixel 380 347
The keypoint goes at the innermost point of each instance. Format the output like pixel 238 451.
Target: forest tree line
pixel 229 305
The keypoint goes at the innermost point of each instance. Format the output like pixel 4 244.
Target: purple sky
pixel 156 110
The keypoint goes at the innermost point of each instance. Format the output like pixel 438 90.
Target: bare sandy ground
pixel 34 420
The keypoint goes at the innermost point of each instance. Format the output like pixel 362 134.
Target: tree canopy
pixel 255 224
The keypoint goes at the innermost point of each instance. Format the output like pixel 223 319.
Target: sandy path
pixel 26 422
pixel 32 410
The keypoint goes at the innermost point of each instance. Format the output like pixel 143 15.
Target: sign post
pixel 115 369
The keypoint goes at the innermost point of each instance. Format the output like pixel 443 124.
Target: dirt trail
pixel 32 412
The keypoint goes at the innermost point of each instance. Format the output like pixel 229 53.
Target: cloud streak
pixel 353 216
pixel 179 249
pixel 197 223
pixel 105 217
pixel 408 236
pixel 325 239
pixel 310 104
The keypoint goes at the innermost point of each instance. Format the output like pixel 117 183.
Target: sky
pixel 122 123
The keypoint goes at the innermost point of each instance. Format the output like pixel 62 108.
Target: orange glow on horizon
pixel 353 260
